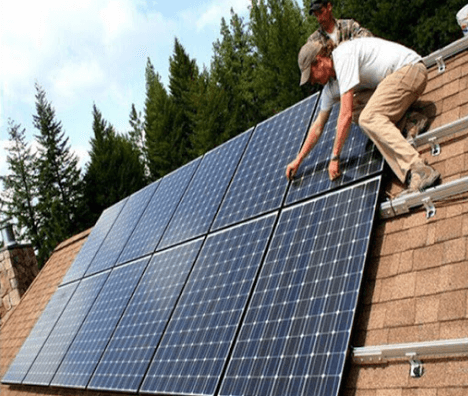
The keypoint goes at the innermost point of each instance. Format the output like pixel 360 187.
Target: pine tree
pixel 158 121
pixel 423 25
pixel 137 136
pixel 233 71
pixel 19 195
pixel 279 29
pixel 183 82
pixel 60 189
pixel 114 170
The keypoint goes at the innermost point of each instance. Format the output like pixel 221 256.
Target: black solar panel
pixel 196 343
pixel 37 337
pixel 259 184
pixel 93 243
pixel 295 335
pixel 54 349
pixel 84 353
pixel 359 158
pixel 202 199
pixel 157 215
pixel 129 353
pixel 114 243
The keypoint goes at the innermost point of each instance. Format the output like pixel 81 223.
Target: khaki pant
pixel 392 97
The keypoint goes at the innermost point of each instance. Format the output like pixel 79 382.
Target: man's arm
pixel 342 130
pixel 313 136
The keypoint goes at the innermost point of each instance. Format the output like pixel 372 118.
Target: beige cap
pixel 307 56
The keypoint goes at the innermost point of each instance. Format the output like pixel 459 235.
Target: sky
pixel 95 52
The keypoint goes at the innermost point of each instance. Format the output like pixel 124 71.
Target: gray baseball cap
pixel 307 56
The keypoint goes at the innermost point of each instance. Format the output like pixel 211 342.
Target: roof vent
pixel 8 235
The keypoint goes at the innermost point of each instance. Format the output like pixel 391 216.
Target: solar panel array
pixel 222 278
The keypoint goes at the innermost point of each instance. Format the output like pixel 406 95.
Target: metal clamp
pixel 435 147
pixel 416 369
pixel 440 64
pixel 430 207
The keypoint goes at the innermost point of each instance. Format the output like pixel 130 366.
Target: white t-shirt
pixel 363 63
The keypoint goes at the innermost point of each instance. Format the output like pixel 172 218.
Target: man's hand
pixel 334 170
pixel 291 169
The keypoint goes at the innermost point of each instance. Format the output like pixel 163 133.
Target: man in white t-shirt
pixel 398 77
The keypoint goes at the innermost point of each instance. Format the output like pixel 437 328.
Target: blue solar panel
pixel 114 243
pixel 129 353
pixel 33 344
pixel 196 343
pixel 262 304
pixel 93 243
pixel 157 215
pixel 202 199
pixel 295 335
pixel 359 158
pixel 259 184
pixel 84 353
pixel 54 349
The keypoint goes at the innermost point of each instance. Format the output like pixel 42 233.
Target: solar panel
pixel 84 353
pixel 46 363
pixel 132 346
pixel 202 199
pixel 114 243
pixel 96 237
pixel 359 158
pixel 262 304
pixel 196 343
pixel 33 344
pixel 157 215
pixel 295 335
pixel 259 184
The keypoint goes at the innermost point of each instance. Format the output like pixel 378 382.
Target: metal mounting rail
pixel 401 205
pixel 438 56
pixel 432 136
pixel 383 353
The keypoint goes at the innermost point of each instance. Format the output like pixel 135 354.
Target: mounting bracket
pixel 429 206
pixel 401 205
pixel 416 369
pixel 440 64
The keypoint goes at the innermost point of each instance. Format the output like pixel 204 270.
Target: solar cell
pixel 33 344
pixel 54 349
pixel 128 355
pixel 157 215
pixel 115 242
pixel 259 184
pixel 202 199
pixel 84 353
pixel 295 335
pixel 359 158
pixel 196 343
pixel 96 237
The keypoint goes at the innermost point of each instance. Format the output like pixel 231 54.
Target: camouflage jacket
pixel 347 29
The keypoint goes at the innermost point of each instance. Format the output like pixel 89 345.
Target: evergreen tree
pixel 212 116
pixel 114 171
pixel 60 192
pixel 183 82
pixel 233 71
pixel 158 120
pixel 423 25
pixel 137 136
pixel 278 32
pixel 19 195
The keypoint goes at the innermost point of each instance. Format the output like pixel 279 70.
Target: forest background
pixel 253 75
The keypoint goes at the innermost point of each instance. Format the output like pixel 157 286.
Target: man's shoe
pixel 422 176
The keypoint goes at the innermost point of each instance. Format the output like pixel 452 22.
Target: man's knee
pixel 365 118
